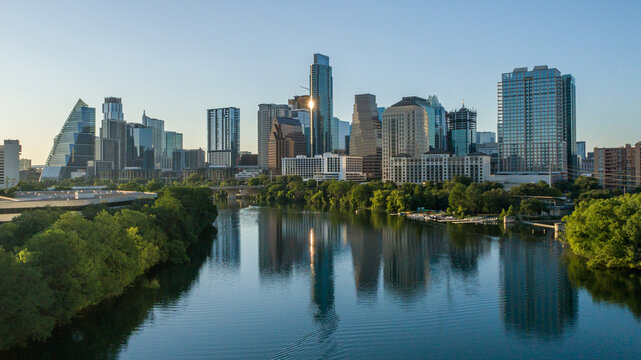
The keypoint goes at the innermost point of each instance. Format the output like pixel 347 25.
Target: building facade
pixel 286 140
pixel 366 136
pixel 344 131
pixel 266 115
pixel 325 167
pixel 223 136
pixel 461 128
pixel 10 163
pixel 112 142
pixel 485 137
pixel 173 143
pixel 184 159
pixel 321 106
pixel 74 146
pixel 140 150
pixel 158 145
pixel 405 130
pixel 618 168
pixel 438 166
pixel 537 123
pixel 437 117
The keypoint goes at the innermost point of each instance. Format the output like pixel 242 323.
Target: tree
pixel 531 206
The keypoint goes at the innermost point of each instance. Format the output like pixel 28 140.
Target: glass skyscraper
pixel 140 151
pixel 437 123
pixel 537 122
pixel 158 127
pixel 173 142
pixel 113 134
pixel 74 146
pixel 223 136
pixel 323 133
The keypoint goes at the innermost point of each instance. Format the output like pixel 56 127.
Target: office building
pixel 437 117
pixel 112 142
pixel 184 159
pixel 286 139
pixel 10 163
pixel 223 136
pixel 618 168
pixel 299 102
pixel 438 166
pixel 321 106
pixel 537 123
pixel 74 146
pixel 140 151
pixel 485 137
pixel 405 130
pixel 266 115
pixel 325 167
pixel 302 115
pixel 492 150
pixel 461 129
pixel 344 130
pixel 247 159
pixel 173 143
pixel 158 128
pixel 366 136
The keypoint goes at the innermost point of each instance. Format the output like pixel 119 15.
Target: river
pixel 291 284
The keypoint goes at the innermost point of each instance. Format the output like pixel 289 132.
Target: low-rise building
pixel 248 173
pixel 439 166
pixel 325 167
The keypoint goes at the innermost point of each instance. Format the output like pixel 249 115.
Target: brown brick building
pixel 618 168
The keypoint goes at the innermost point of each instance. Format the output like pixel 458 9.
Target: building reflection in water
pixel 406 268
pixel 226 247
pixel 538 300
pixel 366 248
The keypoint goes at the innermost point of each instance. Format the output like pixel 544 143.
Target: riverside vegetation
pixel 605 227
pixel 55 264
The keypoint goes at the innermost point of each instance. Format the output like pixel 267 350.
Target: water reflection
pixel 538 299
pixel 226 249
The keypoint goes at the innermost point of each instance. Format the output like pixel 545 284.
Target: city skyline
pixel 38 92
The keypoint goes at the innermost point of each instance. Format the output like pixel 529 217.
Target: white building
pixel 325 167
pixel 9 163
pixel 439 166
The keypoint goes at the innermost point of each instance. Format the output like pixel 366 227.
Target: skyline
pixel 171 67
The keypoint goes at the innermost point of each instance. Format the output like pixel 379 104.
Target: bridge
pixel 238 191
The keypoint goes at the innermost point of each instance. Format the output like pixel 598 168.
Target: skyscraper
pixel 286 139
pixel 74 145
pixel 173 142
pixel 321 103
pixel 159 140
pixel 405 131
pixel 537 122
pixel 437 123
pixel 365 139
pixel 113 134
pixel 223 136
pixel 461 128
pixel 140 151
pixel 266 115
pixel 344 130
pixel 302 115
pixel 9 163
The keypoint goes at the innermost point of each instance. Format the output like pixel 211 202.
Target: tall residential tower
pixel 365 138
pixel 323 135
pixel 223 136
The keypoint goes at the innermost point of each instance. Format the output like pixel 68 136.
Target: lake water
pixel 306 285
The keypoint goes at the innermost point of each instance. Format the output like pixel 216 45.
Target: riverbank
pixel 57 264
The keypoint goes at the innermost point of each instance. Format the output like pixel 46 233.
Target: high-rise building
pixel 25 164
pixel 159 140
pixel 223 136
pixel 344 130
pixel 173 142
pixel 112 145
pixel 140 151
pixel 437 123
pixel 10 164
pixel 185 159
pixel 74 146
pixel 405 130
pixel 461 128
pixel 580 150
pixel 537 122
pixel 365 139
pixel 266 115
pixel 302 115
pixel 299 102
pixel 286 139
pixel 485 137
pixel 438 166
pixel 321 104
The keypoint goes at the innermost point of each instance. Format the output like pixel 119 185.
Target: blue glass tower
pixel 323 134
pixel 74 146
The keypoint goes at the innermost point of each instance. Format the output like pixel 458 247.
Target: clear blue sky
pixel 176 59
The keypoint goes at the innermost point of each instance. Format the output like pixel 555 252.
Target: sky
pixel 175 59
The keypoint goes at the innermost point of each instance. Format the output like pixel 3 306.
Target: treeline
pixel 54 264
pixel 459 196
pixel 607 232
